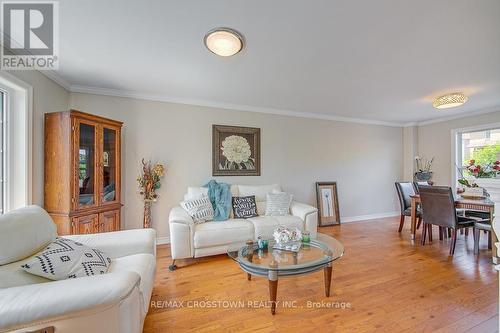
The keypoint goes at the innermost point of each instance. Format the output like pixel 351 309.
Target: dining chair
pixel 405 190
pixel 478 226
pixel 483 222
pixel 438 208
pixel 417 184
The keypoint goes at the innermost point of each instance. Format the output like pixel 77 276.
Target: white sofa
pixel 114 302
pixel 190 240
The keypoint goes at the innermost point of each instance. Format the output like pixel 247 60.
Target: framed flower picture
pixel 328 203
pixel 235 151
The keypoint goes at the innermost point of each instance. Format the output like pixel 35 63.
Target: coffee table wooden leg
pixel 273 289
pixel 328 279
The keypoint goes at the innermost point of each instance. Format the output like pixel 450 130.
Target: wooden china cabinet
pixel 82 172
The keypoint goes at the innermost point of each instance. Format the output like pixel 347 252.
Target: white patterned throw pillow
pixel 200 209
pixel 278 204
pixel 66 259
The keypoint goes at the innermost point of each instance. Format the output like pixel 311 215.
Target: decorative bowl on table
pixel 288 239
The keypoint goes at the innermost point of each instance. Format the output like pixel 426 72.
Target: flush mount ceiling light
pixel 224 42
pixel 450 101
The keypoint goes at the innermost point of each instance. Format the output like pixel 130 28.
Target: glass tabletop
pixel 319 252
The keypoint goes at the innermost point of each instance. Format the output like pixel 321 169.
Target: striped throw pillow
pixel 200 209
pixel 278 204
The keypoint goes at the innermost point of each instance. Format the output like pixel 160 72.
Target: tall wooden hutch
pixel 82 172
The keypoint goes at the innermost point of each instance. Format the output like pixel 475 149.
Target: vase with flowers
pixel 149 182
pixel 488 170
pixel 476 178
pixel 423 167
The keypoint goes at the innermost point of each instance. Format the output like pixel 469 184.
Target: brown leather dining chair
pixel 438 208
pixel 417 184
pixel 404 190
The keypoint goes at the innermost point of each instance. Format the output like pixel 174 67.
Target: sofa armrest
pixel 181 227
pixel 179 215
pixel 308 214
pixel 27 305
pixel 121 243
pixel 302 210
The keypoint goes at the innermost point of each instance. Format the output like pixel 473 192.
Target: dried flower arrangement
pixel 149 182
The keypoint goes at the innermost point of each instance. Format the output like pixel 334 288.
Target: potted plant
pixel 423 167
pixel 479 179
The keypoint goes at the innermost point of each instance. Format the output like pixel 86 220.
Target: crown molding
pixel 51 74
pixel 248 108
pixel 56 78
pixel 227 106
pixel 479 112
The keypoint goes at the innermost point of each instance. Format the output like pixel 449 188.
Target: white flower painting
pixel 236 151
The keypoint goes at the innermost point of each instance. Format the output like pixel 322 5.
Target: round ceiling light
pixel 224 42
pixel 449 101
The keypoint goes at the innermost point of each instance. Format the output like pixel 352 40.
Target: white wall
pixel 410 146
pixel 365 160
pixel 48 96
pixel 434 140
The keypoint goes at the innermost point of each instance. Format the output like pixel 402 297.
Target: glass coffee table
pixel 317 255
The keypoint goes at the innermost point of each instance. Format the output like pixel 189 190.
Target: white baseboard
pixel 369 217
pixel 162 240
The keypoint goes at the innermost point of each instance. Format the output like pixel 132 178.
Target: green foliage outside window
pixel 485 155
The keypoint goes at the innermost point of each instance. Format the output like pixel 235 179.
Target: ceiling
pixel 377 61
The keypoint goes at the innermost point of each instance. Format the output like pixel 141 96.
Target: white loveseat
pixel 190 240
pixel 114 302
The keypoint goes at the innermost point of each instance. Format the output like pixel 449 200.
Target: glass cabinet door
pixel 109 165
pixel 86 164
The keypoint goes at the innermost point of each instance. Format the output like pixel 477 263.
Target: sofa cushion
pixel 143 264
pixel 199 209
pixel 222 232
pixel 264 225
pixel 244 207
pixel 66 259
pixel 195 192
pixel 23 232
pixel 278 204
pixel 261 207
pixel 260 191
pixel 234 191
pixel 12 275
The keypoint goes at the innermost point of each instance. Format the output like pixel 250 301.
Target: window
pixel 2 150
pixel 15 143
pixel 480 145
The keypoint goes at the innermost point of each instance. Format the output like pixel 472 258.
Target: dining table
pixel 480 204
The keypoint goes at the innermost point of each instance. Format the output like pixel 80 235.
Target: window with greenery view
pixel 480 153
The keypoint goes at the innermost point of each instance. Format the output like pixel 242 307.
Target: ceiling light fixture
pixel 449 101
pixel 224 42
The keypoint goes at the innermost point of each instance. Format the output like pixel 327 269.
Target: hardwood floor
pixel 391 284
